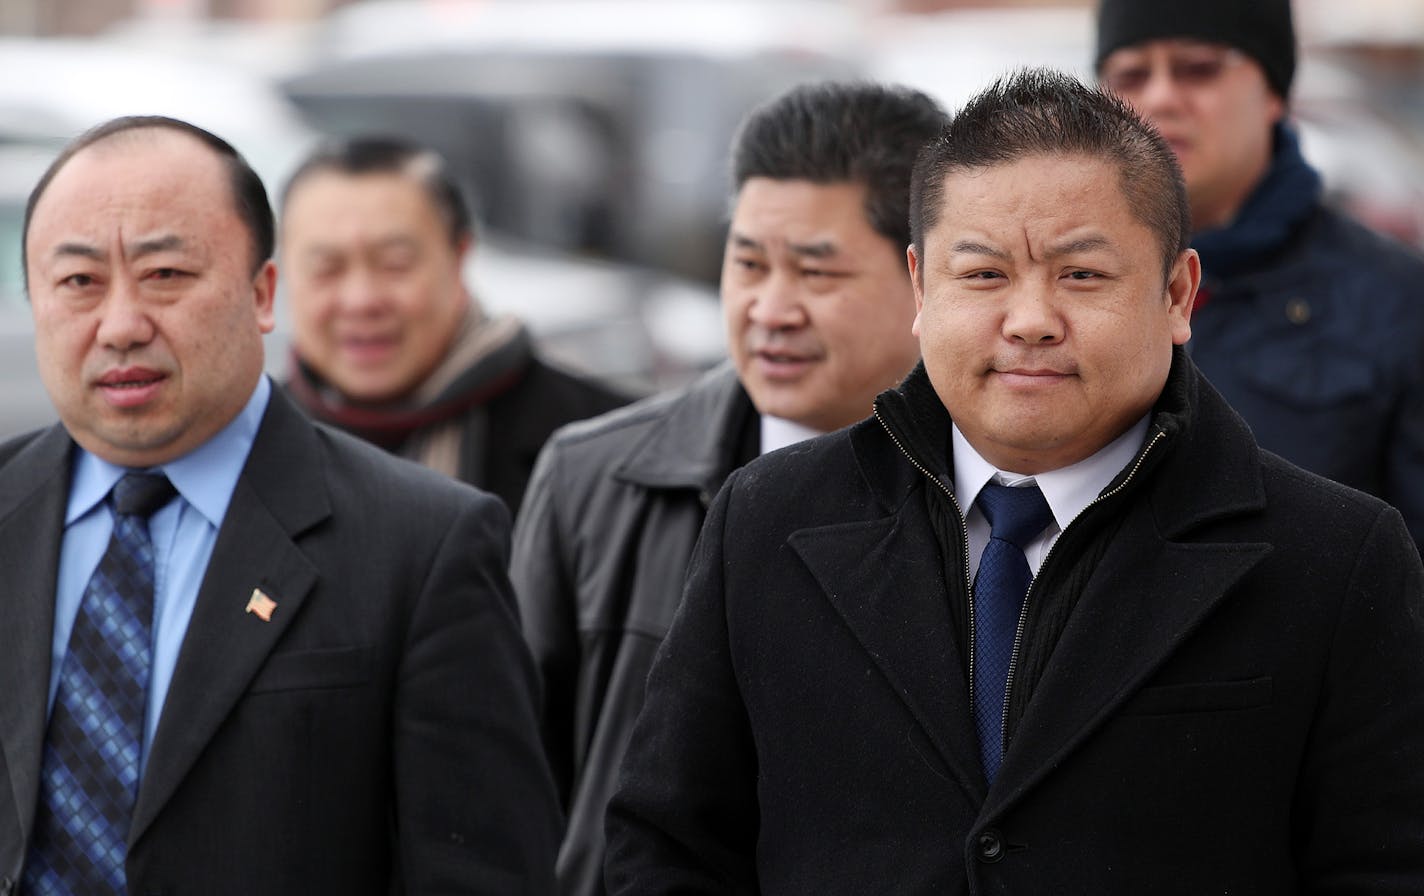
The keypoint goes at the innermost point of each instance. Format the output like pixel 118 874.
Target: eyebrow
pixel 157 244
pixel 1082 244
pixel 969 247
pixel 83 250
pixel 822 249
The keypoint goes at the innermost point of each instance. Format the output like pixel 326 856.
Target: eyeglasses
pixel 1186 70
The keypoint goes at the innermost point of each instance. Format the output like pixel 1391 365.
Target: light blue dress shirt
pixel 183 532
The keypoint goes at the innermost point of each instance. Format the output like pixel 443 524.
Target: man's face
pixel 373 281
pixel 148 316
pixel 1044 320
pixel 1214 107
pixel 817 304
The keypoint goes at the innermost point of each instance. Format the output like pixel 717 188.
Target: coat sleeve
pixel 684 819
pixel 1360 812
pixel 475 808
pixel 548 609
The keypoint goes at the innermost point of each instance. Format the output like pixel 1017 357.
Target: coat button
pixel 989 847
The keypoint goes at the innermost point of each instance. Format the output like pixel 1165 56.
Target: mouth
pixel 130 387
pixel 368 349
pixel 782 364
pixel 1030 377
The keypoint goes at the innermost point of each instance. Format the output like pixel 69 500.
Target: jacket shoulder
pixel 834 478
pixel 545 382
pixel 16 444
pixel 372 478
pixel 614 433
pixel 1341 241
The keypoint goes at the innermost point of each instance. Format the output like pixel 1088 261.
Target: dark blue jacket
pixel 1313 329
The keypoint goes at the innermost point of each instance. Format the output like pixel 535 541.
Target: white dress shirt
pixel 1068 490
pixel 777 432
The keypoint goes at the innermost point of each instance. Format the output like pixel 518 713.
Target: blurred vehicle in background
pixel 639 328
pixel 598 128
pixel 1373 167
pixel 593 137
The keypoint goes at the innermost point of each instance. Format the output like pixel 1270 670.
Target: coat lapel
pixel 1119 635
pixel 33 492
pixel 885 580
pixel 281 493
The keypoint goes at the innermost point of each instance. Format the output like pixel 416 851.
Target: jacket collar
pixel 693 443
pixel 281 494
pixel 1202 466
pixel 34 485
pixel 1195 424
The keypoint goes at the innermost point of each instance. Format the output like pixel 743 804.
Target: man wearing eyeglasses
pixel 1308 323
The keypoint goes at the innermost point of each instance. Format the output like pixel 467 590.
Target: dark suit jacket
pixel 378 735
pixel 1236 704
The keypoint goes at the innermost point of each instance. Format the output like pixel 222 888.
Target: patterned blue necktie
pixel 89 773
pixel 1016 516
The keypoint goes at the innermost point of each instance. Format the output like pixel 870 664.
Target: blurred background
pixel 591 135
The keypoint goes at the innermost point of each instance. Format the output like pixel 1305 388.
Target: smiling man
pixel 818 310
pixel 1310 325
pixel 243 653
pixel 389 343
pixel 1049 621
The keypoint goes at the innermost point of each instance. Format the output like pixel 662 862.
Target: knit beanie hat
pixel 1259 28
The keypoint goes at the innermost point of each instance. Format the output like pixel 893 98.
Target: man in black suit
pixel 1049 621
pixel 301 672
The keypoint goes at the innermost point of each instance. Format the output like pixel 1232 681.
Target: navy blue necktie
pixel 1016 516
pixel 90 769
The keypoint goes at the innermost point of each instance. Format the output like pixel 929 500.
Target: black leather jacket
pixel 601 548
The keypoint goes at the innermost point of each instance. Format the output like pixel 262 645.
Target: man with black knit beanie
pixel 1311 326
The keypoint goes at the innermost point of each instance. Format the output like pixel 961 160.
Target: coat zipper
pixel 1023 611
pixel 968 581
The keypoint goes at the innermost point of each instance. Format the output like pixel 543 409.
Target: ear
pixel 264 293
pixel 1182 287
pixel 916 283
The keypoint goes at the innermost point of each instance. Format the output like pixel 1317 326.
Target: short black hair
pixel 1041 112
pixel 249 196
pixel 835 132
pixel 384 154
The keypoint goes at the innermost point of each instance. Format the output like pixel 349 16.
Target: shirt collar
pixel 1068 490
pixel 204 477
pixel 778 432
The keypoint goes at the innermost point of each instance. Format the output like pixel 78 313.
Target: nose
pixel 1031 317
pixel 124 322
pixel 359 292
pixel 776 303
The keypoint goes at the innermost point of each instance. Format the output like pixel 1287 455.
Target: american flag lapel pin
pixel 261 605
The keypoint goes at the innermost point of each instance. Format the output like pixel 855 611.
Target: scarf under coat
pixel 433 424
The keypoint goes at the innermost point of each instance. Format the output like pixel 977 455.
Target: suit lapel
pixel 1117 637
pixel 33 491
pixel 886 582
pixel 281 493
